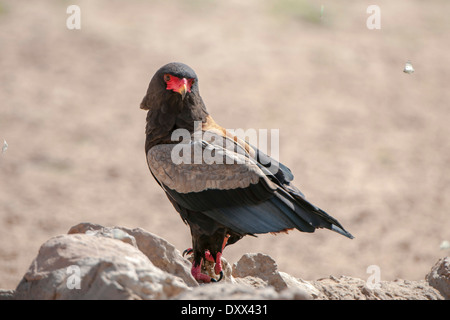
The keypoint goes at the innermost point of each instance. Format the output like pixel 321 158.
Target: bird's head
pixel 173 81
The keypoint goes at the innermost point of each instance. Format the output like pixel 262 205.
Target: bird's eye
pixel 166 78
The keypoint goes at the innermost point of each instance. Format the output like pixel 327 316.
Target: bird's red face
pixel 182 86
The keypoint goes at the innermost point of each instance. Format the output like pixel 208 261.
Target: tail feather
pixel 311 214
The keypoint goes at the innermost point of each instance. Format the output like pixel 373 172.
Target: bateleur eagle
pixel 237 194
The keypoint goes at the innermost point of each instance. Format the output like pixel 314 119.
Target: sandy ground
pixel 366 142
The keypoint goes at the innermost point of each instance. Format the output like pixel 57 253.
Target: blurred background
pixel 366 142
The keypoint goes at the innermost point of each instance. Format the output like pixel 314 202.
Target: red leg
pixel 218 266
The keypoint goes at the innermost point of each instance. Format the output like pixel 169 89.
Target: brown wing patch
pixel 211 125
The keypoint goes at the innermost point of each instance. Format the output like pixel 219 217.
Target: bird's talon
pixel 220 278
pixel 187 251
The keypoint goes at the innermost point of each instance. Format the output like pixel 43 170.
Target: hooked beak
pixel 183 89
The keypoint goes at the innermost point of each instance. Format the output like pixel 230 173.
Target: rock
pixel 7 294
pixel 343 288
pixel 163 254
pixel 96 262
pixel 439 277
pixel 160 252
pixel 82 266
pixel 294 293
pixel 241 291
pixel 251 281
pixel 304 288
pixel 348 288
pixel 252 267
pixel 257 265
pixel 228 291
pixel 99 231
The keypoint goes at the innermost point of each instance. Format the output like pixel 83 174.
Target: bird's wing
pixel 282 176
pixel 232 188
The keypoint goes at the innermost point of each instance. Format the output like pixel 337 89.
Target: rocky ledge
pixel 96 262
